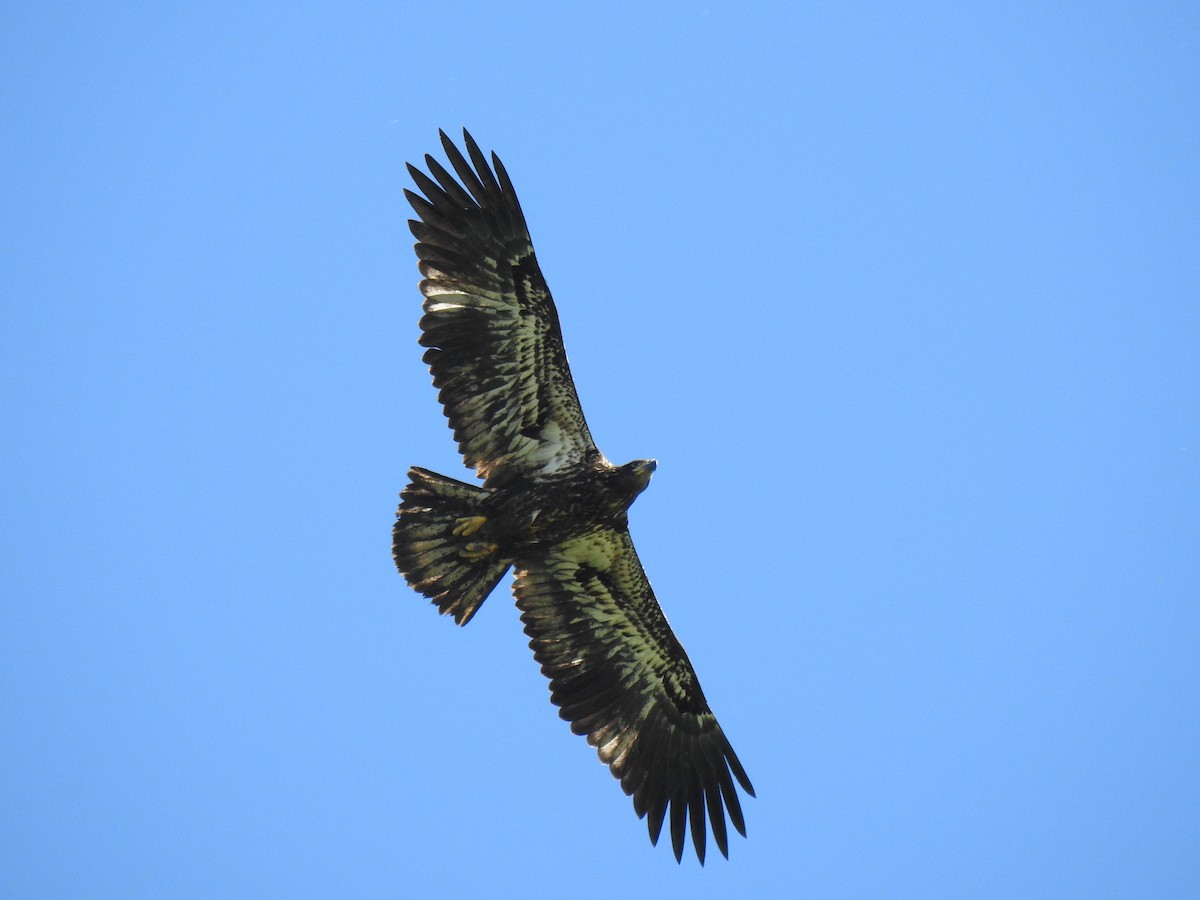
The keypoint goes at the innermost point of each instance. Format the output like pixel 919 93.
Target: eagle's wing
pixel 495 346
pixel 620 676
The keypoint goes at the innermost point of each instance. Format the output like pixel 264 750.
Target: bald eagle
pixel 551 507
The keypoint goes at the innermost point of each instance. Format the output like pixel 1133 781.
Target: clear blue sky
pixel 905 299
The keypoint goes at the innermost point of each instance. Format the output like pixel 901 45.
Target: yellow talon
pixel 478 550
pixel 468 525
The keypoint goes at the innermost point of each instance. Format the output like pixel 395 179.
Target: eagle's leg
pixel 478 549
pixel 468 525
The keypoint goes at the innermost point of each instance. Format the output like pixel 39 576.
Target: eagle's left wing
pixel 620 676
pixel 494 343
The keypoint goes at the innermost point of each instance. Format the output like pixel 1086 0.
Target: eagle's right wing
pixel 620 676
pixel 495 346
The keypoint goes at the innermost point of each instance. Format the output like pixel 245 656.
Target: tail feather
pixel 430 555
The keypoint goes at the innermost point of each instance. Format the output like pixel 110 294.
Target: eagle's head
pixel 633 477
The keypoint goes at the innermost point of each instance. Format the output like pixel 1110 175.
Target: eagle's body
pixel 551 507
pixel 526 514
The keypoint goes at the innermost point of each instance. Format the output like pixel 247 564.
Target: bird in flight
pixel 551 507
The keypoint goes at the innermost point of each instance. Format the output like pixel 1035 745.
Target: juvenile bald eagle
pixel 551 507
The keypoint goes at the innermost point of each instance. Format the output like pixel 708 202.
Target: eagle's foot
pixel 468 525
pixel 477 550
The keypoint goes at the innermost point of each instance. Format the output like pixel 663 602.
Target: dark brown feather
pixel 616 668
pixel 495 344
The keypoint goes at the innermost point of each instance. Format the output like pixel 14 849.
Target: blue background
pixel 903 298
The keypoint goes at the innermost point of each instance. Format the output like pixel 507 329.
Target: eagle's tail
pixel 434 548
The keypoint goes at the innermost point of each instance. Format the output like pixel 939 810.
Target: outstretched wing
pixel 495 346
pixel 620 676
